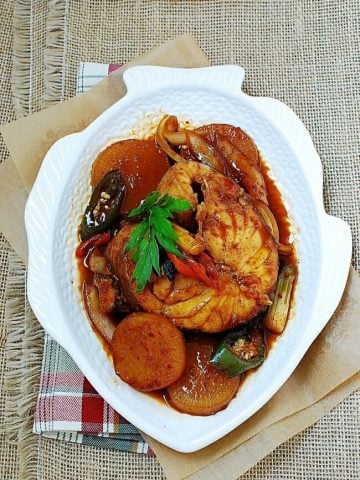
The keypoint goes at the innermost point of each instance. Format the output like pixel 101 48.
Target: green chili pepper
pixel 104 207
pixel 239 351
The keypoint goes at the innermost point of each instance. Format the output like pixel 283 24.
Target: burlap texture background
pixel 305 53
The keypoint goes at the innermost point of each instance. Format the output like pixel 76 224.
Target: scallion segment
pixel 277 315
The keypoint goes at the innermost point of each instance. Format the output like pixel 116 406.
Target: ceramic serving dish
pixel 62 190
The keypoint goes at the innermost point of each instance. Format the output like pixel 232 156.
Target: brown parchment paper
pixel 331 361
pixel 328 371
pixel 45 127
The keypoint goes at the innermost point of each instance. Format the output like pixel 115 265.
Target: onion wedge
pixel 176 138
pixel 187 242
pixel 102 323
pixel 277 315
pixel 285 249
pixel 168 124
pixel 199 148
pixel 268 218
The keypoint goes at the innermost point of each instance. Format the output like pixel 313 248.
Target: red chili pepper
pixel 181 266
pixel 209 265
pixel 95 241
pixel 201 272
pixel 192 269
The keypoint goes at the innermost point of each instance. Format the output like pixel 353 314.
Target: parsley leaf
pixel 152 232
pixel 145 205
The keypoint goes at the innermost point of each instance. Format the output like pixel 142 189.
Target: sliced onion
pixel 187 242
pixel 103 324
pixel 176 138
pixel 168 124
pixel 268 218
pixel 285 249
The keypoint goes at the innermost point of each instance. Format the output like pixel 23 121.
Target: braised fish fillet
pixel 235 236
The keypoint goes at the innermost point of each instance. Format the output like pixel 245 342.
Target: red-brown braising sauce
pixel 280 213
pixel 136 160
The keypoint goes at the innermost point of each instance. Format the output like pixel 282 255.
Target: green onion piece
pixel 277 315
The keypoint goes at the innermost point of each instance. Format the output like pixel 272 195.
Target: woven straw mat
pixel 305 53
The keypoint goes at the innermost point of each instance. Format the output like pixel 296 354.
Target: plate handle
pixel 140 80
pixel 336 260
pixel 297 134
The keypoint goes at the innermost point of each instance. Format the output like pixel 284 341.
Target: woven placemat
pixel 8 452
pixel 305 53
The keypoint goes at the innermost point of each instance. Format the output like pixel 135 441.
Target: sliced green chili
pixel 239 351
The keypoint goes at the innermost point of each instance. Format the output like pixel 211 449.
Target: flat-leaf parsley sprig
pixel 154 231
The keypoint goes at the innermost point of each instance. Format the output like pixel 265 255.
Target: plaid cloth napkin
pixel 68 408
